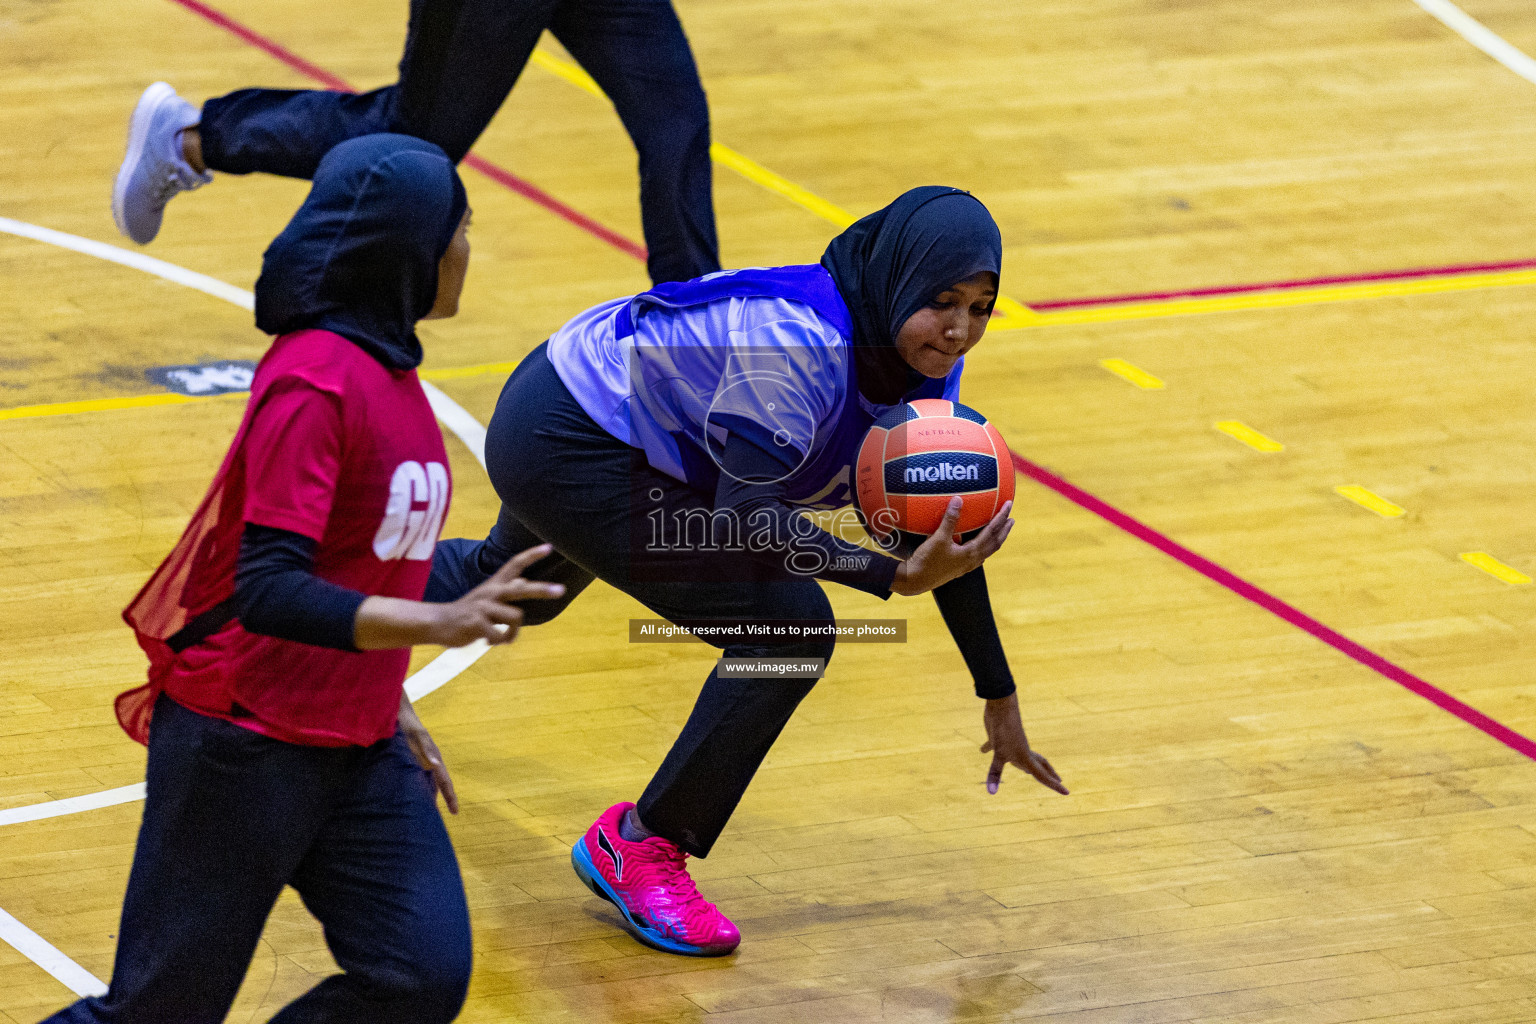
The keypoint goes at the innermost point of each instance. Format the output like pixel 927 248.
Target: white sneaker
pixel 154 169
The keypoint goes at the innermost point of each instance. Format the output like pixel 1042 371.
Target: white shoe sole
pixel 138 132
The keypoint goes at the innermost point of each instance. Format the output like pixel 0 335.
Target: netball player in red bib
pixel 281 748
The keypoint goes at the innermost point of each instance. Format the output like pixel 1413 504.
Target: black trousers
pixel 229 819
pixel 461 59
pixel 564 480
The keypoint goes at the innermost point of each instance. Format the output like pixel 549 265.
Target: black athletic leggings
pixel 564 480
pixel 232 817
pixel 461 59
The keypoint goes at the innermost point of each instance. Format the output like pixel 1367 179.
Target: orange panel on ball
pixel 920 513
pixel 938 434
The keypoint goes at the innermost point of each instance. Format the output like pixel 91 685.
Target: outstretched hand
pixel 489 612
pixel 1008 745
pixel 485 613
pixel 940 558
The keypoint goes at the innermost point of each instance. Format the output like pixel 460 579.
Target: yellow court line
pixel 722 154
pixel 26 412
pixel 1132 373
pixel 756 173
pixel 1495 568
pixel 1370 500
pixel 101 405
pixel 1014 315
pixel 456 372
pixel 1279 299
pixel 1250 437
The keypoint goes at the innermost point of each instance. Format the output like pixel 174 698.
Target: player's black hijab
pixel 360 256
pixel 891 263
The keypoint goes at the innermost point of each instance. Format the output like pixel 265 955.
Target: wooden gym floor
pixel 1266 824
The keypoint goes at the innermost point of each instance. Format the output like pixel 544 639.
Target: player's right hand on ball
pixel 488 612
pixel 940 558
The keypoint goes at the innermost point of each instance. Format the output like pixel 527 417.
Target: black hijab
pixel 360 256
pixel 891 263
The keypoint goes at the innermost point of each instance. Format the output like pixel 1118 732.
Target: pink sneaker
pixel 648 881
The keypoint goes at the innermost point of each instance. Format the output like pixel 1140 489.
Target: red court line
pixel 1276 286
pixel 1270 603
pixel 496 173
pixel 532 192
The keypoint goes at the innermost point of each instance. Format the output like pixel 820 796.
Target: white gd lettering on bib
pixel 418 497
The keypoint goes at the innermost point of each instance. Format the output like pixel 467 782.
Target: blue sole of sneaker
pixel 592 879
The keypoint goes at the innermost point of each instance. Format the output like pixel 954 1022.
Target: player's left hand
pixel 427 754
pixel 1008 745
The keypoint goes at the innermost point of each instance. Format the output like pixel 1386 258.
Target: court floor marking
pixel 1274 605
pixel 431 676
pixel 1452 270
pixel 1277 296
pixel 1495 46
pixel 1369 499
pixel 48 956
pixel 1133 374
pixel 1240 431
pixel 1482 37
pixel 1395 287
pixel 1495 568
pixel 72 805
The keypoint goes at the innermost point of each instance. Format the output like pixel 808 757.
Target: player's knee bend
pixel 429 989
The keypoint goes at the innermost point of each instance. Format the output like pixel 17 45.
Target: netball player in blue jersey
pixel 669 444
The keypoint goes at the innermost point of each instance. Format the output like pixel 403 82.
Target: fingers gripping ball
pixel 920 455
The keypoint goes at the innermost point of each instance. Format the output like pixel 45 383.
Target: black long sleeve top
pixel 278 594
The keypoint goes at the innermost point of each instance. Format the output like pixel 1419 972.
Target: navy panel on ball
pixel 940 473
pixel 965 412
pixel 900 414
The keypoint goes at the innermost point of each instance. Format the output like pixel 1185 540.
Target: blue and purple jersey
pixel 761 351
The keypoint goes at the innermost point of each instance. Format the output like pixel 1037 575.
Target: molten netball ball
pixel 918 456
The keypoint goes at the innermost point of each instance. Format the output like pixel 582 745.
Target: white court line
pixel 136 260
pixel 41 952
pixel 74 804
pixel 442 668
pixel 1480 36
pixel 457 419
pixel 431 676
